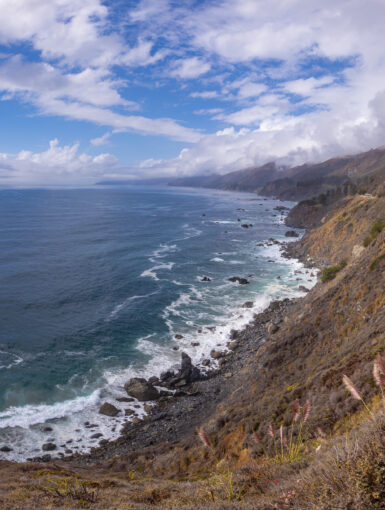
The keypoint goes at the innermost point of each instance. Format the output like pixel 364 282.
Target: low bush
pixel 329 273
pixel 376 229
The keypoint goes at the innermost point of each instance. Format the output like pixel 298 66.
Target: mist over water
pixel 96 283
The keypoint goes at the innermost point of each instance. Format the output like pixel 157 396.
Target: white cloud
pixel 208 94
pixel 58 165
pixel 189 68
pixel 101 140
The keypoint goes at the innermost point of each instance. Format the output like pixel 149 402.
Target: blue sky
pixel 94 89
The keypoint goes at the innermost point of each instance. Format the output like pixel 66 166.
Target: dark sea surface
pixel 96 283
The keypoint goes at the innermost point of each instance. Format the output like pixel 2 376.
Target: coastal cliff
pixel 275 426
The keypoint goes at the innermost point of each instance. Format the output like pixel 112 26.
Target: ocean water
pixel 96 283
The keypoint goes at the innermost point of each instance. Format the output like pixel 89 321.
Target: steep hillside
pixel 301 182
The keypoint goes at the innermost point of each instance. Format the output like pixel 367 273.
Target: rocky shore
pixel 196 395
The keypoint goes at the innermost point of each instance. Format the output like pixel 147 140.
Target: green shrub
pixel 376 229
pixel 329 273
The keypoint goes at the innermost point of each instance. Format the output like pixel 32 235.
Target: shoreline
pixel 194 399
pixel 165 421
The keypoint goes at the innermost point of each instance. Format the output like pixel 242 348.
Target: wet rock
pixel 108 409
pixel 178 336
pixel 233 345
pixel 195 344
pixel 248 304
pixel 216 354
pixel 125 399
pixel 291 233
pixel 96 436
pixel 68 451
pixel 188 371
pixel 6 449
pixel 48 447
pixel 241 281
pixel 302 288
pixel 141 389
pixel 205 279
pixel 47 429
pixel 245 225
pixel 281 208
pixel 46 458
pixel 175 348
pixel 147 408
pixel 129 412
pixel 153 379
pixel 206 362
pixel 165 376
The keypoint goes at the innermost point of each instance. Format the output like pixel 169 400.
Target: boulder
pixel 205 279
pixel 48 447
pixel 291 233
pixel 108 409
pixel 241 281
pixel 178 336
pixel 216 354
pixel 248 304
pixel 188 371
pixel 5 449
pixel 141 389
pixel 302 288
pixel 206 362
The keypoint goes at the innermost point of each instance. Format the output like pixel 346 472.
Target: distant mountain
pixel 249 179
pixel 297 183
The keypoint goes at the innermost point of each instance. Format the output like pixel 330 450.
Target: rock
pixel 108 409
pixel 228 374
pixel 205 279
pixel 245 225
pixel 175 348
pixel 125 399
pixel 178 336
pixel 234 333
pixel 136 421
pixel 195 344
pixel 147 408
pixel 129 412
pixel 47 429
pixel 141 389
pixel 241 281
pixel 188 371
pixel 233 345
pixel 302 288
pixel 272 328
pixel 6 449
pixel 165 376
pixel 222 362
pixel 68 451
pixel 48 447
pixel 216 354
pixel 46 458
pixel 206 362
pixel 291 233
pixel 96 436
pixel 248 304
pixel 281 208
pixel 153 380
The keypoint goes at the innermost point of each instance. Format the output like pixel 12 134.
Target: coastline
pixel 165 421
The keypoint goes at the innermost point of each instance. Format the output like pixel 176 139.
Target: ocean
pixel 95 284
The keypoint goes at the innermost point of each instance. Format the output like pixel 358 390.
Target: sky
pixel 120 89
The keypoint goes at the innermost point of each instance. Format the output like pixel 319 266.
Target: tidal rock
pixel 125 399
pixel 108 409
pixel 96 436
pixel 178 336
pixel 302 288
pixel 141 389
pixel 153 379
pixel 291 233
pixel 5 449
pixel 216 354
pixel 205 279
pixel 47 429
pixel 195 344
pixel 48 447
pixel 241 281
pixel 206 362
pixel 272 328
pixel 248 304
pixel 188 371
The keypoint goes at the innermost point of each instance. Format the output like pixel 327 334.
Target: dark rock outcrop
pixel 108 409
pixel 141 389
pixel 241 281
